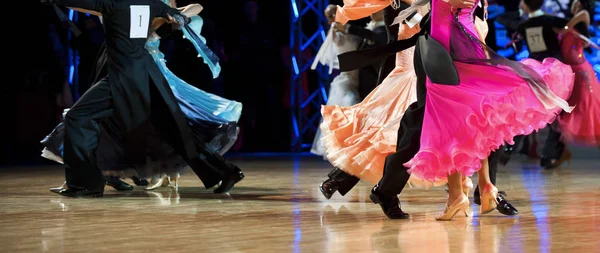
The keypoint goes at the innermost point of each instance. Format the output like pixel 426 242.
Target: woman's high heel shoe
pixel 174 181
pixel 460 205
pixel 489 200
pixel 60 188
pixel 162 182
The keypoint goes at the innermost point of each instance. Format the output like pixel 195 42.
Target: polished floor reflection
pixel 278 208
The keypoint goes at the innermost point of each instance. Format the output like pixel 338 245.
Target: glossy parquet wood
pixel 278 208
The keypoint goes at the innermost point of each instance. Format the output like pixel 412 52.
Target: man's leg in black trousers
pixel 164 121
pixel 338 181
pixel 493 167
pixel 553 148
pixel 209 166
pixel 347 181
pixel 508 150
pixel 229 173
pixel 525 146
pixel 81 140
pixel 395 175
pixel 493 164
pixel 504 206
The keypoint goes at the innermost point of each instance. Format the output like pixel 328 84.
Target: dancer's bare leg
pixel 458 203
pixel 455 188
pixel 489 193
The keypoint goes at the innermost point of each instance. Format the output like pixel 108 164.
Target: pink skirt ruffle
pixel 491 106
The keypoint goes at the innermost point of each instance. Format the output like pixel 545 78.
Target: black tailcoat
pixel 131 69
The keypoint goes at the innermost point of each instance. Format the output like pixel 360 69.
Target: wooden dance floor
pixel 278 208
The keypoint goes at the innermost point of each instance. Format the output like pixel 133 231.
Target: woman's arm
pixel 582 16
pixel 353 10
pixel 188 11
pixel 191 10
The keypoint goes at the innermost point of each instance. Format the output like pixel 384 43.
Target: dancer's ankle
pixel 453 196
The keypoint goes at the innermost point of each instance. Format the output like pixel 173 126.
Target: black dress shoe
pixel 228 183
pixel 118 184
pixel 329 187
pixel 389 204
pixel 505 207
pixel 80 193
pixel 139 181
pixel 549 163
pixel 545 162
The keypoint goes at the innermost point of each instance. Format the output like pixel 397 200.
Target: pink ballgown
pixel 358 138
pixel 583 124
pixel 496 100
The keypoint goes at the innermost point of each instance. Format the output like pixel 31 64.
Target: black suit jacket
pixel 369 75
pixel 100 70
pixel 389 14
pixel 361 58
pixel 538 33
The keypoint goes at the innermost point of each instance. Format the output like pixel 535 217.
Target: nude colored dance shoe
pixel 165 181
pixel 460 205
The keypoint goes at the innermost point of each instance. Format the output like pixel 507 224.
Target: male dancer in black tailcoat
pixel 136 94
pixel 395 174
pixel 371 76
pixel 100 71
